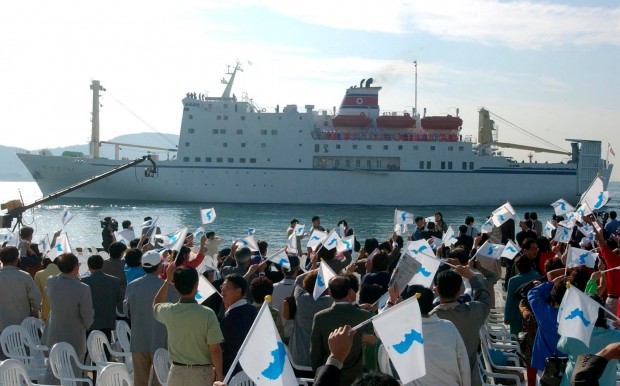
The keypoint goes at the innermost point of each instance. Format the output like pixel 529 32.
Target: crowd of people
pixel 155 290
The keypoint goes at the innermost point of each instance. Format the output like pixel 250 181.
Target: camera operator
pixel 109 226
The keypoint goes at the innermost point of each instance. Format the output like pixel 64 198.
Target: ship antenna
pixel 415 106
pixel 228 88
pixel 94 139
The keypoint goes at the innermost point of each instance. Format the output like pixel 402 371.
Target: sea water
pixel 233 220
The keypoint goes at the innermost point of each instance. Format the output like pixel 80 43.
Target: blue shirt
pixel 133 273
pixel 612 226
pixel 547 337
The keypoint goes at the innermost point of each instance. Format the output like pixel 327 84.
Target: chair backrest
pixel 241 379
pixel 161 364
pixel 13 372
pixel 34 326
pixel 14 341
pixel 123 334
pixel 61 361
pixel 115 375
pixel 96 343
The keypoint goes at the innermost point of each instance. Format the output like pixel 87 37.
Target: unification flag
pixel 400 330
pixel 345 244
pixel 596 196
pixel 249 242
pixel 426 273
pixel 198 233
pixel 207 215
pixel 299 230
pixel 280 258
pixel 291 244
pixel 176 241
pixel 9 237
pixel 562 234
pixel 263 355
pixel 61 246
pixel 205 289
pixel 44 244
pixel 493 251
pixel 548 231
pixel 487 227
pixel 66 216
pixel 419 247
pixel 251 231
pixel 436 242
pixel 315 239
pixel 448 237
pixel 561 206
pixel 588 231
pixel 503 214
pixel 325 274
pixel 402 217
pixel 578 256
pixel 510 250
pixel 332 240
pixel 577 315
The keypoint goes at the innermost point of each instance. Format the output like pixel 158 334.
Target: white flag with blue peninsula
pixel 448 237
pixel 487 227
pixel 503 214
pixel 577 257
pixel 6 236
pixel 280 258
pixel 205 289
pixel 419 247
pixel 207 215
pixel 549 228
pixel 400 330
pixel 561 206
pixel 178 239
pixel 426 273
pixel 402 217
pixel 588 231
pixel 325 274
pixel 61 246
pixel 263 355
pixel 332 240
pixel 493 251
pixel 510 250
pixel 315 239
pixel 198 233
pixel 577 315
pixel 66 216
pixel 562 234
pixel 249 242
pixel 596 196
pixel 345 244
pixel 44 244
pixel 299 230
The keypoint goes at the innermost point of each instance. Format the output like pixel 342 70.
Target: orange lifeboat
pixel 361 121
pixel 442 123
pixel 396 122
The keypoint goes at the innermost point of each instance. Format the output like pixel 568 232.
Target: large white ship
pixel 231 151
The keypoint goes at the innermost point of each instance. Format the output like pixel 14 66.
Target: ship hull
pixel 176 182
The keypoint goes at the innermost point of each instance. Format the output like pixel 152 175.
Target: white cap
pixel 151 259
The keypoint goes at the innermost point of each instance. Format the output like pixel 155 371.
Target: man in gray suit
pixel 71 309
pixel 150 334
pixel 106 293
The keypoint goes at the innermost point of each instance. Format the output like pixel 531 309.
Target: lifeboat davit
pixel 396 122
pixel 361 121
pixel 442 123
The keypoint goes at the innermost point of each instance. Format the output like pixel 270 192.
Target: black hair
pixel 133 258
pixel 116 250
pixel 314 218
pixel 185 278
pixel 126 224
pixel 339 286
pixel 238 282
pixel 259 288
pixel 459 253
pixel 371 244
pixel 375 379
pixel 95 262
pixel 425 300
pixel 67 262
pixel 262 247
pixel 524 264
pixel 343 222
pixel 463 228
pixel 527 243
pixel 9 255
pixel 26 232
pixel 469 220
pixel 380 261
pixel 448 283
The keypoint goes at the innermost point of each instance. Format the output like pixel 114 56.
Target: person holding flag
pixel 526 273
pixel 194 334
pixel 298 230
pixel 29 255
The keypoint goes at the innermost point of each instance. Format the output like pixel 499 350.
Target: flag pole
pixel 368 321
pixel 246 340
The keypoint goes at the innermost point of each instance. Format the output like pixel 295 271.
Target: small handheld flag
pixel 503 214
pixel 299 230
pixel 549 228
pixel 207 215
pixel 426 273
pixel 61 246
pixel 510 250
pixel 491 250
pixel 596 196
pixel 577 315
pixel 345 244
pixel 66 216
pixel 316 238
pixel 331 241
pixel 325 274
pixel 205 289
pixel 577 257
pixel 280 258
pixel 561 207
pixel 402 217
pixel 249 242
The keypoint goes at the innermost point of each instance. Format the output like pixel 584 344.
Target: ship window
pixel 421 164
pixel 368 147
pixel 225 144
pixel 464 166
pixel 207 159
pixel 415 147
pixel 216 131
pixel 428 164
pixel 461 148
pixel 325 148
pixel 219 118
pixel 300 145
pixel 242 144
pixel 450 165
pixel 347 163
pixel 219 159
pixel 263 145
pixel 450 148
pixel 337 146
pixel 337 163
pixel 400 147
pixel 242 160
pixel 197 159
pixel 432 147
pixel 385 147
pixel 300 117
pixel 222 131
pixel 357 163
pixel 243 118
pixel 317 148
pixel 368 164
pixel 443 165
pixel 263 132
pixel 354 147
pixel 225 117
pixel 231 160
pixel 471 166
pixel 185 159
pixel 191 131
pixel 252 160
pixel 186 144
pixel 379 163
pixel 240 131
pixel 274 132
pixel 190 117
pixel 185 108
pixel 225 105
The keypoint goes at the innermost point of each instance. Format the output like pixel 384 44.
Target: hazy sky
pixel 549 67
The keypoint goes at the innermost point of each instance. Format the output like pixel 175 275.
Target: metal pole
pixel 415 63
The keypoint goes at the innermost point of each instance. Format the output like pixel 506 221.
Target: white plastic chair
pixel 296 366
pixel 161 365
pixel 241 379
pixel 123 336
pixel 13 372
pixel 34 326
pixel 115 374
pixel 16 344
pixel 96 344
pixel 62 357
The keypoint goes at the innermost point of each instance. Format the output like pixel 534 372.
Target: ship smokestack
pixel 362 82
pixel 369 82
pixel 94 139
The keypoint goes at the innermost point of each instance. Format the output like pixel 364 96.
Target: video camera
pixel 109 224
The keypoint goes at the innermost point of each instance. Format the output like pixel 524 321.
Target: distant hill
pixel 13 170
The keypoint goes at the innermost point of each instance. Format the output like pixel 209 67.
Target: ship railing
pixel 384 136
